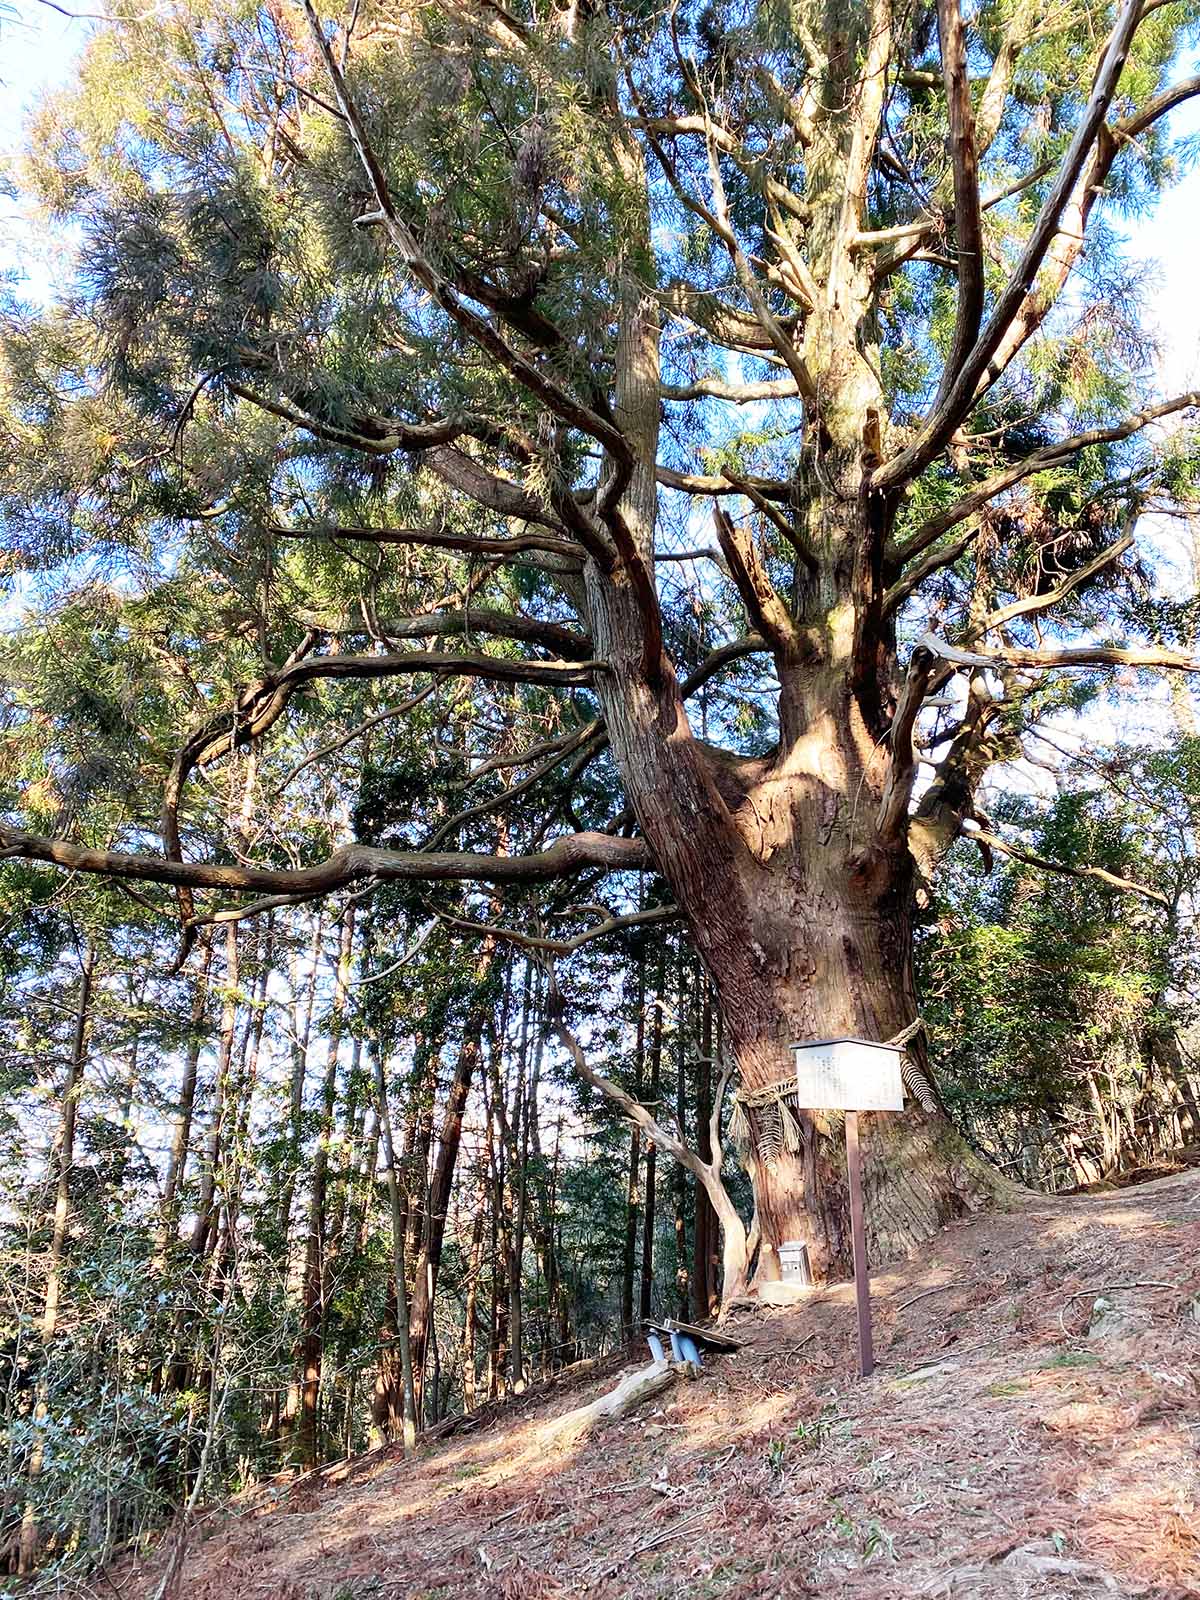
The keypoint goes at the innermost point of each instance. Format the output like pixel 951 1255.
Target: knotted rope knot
pixel 769 1116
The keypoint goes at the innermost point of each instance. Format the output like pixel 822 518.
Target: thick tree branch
pixel 968 221
pixel 752 644
pixel 260 705
pixel 779 521
pixel 725 325
pixel 562 641
pixel 944 556
pixel 698 483
pixel 1084 655
pixel 738 394
pixel 392 435
pixel 353 863
pixel 764 606
pixel 440 539
pixel 537 383
pixel 956 403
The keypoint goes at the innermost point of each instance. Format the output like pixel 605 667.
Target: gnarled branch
pixel 353 863
pixel 982 836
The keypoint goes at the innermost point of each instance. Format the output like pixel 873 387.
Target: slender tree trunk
pixel 516 1138
pixel 429 1252
pixel 354 1124
pixel 704 1225
pixel 525 1101
pixel 313 1281
pixel 470 1309
pixel 251 1057
pixel 632 1187
pixel 129 1088
pixel 62 1160
pixel 561 1304
pixel 680 1185
pixel 495 1172
pixel 303 1032
pixel 182 1131
pixel 646 1290
pixel 399 1261
pixel 205 1221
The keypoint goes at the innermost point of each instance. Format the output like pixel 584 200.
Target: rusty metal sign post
pixel 852 1075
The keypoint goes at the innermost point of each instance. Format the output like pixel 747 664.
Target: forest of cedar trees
pixel 550 551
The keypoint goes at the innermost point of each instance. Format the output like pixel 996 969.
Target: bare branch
pixel 1042 602
pixel 259 706
pixel 1050 455
pixel 340 743
pixel 565 947
pixel 981 836
pixel 968 221
pixel 1084 655
pixel 630 1109
pixel 588 736
pixel 943 556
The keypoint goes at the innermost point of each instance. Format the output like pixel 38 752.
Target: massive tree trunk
pixel 845 968
pixel 803 919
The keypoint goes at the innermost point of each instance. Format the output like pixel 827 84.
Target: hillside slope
pixel 1018 1440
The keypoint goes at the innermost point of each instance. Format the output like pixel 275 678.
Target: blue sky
pixel 37 46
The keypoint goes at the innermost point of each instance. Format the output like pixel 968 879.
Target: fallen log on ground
pixel 636 1387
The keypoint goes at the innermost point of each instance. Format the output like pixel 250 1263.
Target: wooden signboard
pixel 848 1075
pixel 852 1075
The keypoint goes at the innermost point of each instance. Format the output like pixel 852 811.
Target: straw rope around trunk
pixel 768 1119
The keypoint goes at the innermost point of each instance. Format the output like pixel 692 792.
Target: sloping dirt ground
pixel 1018 1439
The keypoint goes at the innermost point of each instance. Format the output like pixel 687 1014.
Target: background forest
pixel 242 1165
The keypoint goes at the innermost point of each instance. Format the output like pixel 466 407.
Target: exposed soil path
pixel 1016 1441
